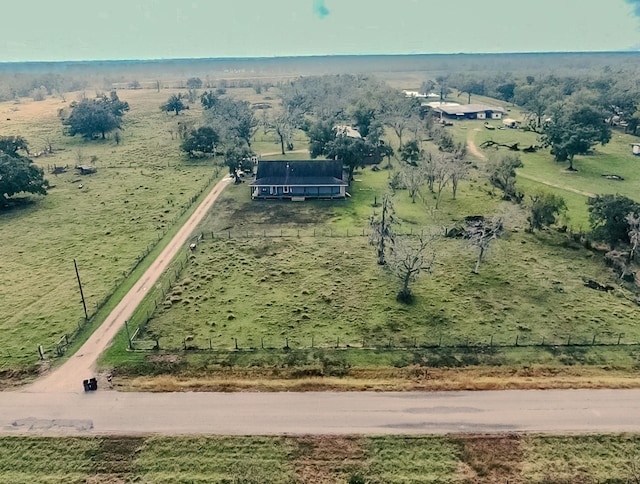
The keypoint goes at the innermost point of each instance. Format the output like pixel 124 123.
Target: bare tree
pixel 408 259
pixel 80 157
pixel 458 171
pixel 412 179
pixel 399 114
pixel 480 233
pixel 382 234
pixel 442 173
pixel 634 234
pixel 430 164
pixel 283 125
pixel 459 167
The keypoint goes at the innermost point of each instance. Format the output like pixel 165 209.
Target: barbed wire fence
pixel 225 344
pixel 60 347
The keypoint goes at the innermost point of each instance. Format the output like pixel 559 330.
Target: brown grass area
pixel 327 459
pixel 25 110
pixel 386 379
pixel 491 459
pixel 10 379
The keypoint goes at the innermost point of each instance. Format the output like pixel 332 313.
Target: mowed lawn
pixel 105 221
pixel 252 285
pixel 322 459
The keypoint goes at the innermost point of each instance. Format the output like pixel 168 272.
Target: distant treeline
pixel 32 79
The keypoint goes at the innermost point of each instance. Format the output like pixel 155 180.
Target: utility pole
pixel 84 305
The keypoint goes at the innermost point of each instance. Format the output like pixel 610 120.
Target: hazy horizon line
pixel 304 56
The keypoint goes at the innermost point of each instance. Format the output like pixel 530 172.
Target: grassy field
pixel 541 172
pixel 278 274
pixel 469 459
pixel 106 221
pixel 255 286
pixel 270 277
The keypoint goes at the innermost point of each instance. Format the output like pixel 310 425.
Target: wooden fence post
pixel 126 327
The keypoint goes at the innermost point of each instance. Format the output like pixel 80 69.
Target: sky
pixel 65 30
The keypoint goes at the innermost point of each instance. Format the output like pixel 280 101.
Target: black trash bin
pixel 93 384
pixel 86 385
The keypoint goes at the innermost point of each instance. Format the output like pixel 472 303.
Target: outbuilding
pixel 469 111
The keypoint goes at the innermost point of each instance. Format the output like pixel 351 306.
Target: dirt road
pixel 476 152
pixel 80 366
pixel 99 413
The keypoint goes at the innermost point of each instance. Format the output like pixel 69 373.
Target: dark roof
pixel 299 172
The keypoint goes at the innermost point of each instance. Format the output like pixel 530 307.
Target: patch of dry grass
pixel 385 379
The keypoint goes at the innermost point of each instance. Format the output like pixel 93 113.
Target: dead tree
pixel 634 234
pixel 382 233
pixel 409 259
pixel 480 234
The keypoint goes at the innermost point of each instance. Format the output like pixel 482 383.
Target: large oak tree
pixel 18 174
pixel 96 117
pixel 573 129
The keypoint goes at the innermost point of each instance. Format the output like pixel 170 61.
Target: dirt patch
pixel 327 459
pixel 114 457
pixel 491 459
pixel 472 145
pixel 164 358
pixel 11 379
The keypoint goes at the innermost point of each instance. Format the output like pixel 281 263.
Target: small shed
pixel 635 149
pixel 86 169
pixel 509 123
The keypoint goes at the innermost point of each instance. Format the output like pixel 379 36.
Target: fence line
pixel 157 296
pixel 189 343
pixel 68 338
pixel 298 233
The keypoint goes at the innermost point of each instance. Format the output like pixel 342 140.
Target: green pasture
pixel 105 221
pixel 390 459
pixel 541 172
pixel 272 273
pixel 109 220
